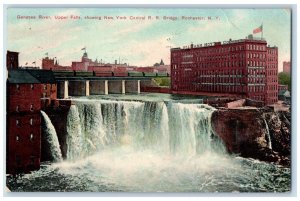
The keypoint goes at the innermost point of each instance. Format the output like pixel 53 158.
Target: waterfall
pixel 268 135
pixel 51 138
pixel 171 127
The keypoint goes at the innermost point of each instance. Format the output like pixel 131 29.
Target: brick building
pixel 271 90
pixel 12 60
pixel 52 64
pixel 246 67
pixel 47 80
pixel 23 122
pixel 26 90
pixel 282 87
pixel 287 67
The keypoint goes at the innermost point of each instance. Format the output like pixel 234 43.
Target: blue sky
pixel 137 42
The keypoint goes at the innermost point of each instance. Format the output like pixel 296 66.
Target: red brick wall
pixel 12 60
pixel 49 91
pixel 24 97
pixel 23 155
pixel 237 67
pixel 272 75
pixel 283 87
pixel 26 147
pixel 100 68
pixel 48 64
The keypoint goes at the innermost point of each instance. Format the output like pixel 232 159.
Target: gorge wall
pixel 257 133
pixel 249 132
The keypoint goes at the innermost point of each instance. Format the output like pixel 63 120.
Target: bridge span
pixel 85 86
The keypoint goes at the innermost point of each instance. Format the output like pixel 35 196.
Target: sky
pixel 139 42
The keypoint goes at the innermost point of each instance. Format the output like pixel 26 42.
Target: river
pixel 148 143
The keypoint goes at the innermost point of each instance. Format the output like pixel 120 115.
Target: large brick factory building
pixel 246 67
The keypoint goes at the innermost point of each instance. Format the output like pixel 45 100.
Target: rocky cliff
pixel 257 133
pixel 58 113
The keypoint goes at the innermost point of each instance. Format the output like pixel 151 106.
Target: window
pixel 18 87
pixel 31 121
pixel 17 122
pixel 45 86
pixel 32 86
pixel 17 108
pixel 31 107
pixel 17 138
pixel 31 137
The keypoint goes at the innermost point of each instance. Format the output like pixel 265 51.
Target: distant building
pixel 246 67
pixel 52 64
pixel 12 60
pixel 284 95
pixel 282 87
pixel 287 67
pixel 87 64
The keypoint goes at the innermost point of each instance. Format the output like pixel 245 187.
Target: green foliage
pixel 163 81
pixel 284 78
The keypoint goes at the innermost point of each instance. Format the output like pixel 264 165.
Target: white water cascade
pixel 125 145
pixel 52 139
pixel 268 135
pixel 172 127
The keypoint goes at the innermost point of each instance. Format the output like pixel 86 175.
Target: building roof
pixel 21 77
pixel 44 76
pixel 30 76
pixel 285 93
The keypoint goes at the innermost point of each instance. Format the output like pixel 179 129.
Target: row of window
pixel 225 64
pixel 256 47
pixel 256 88
pixel 270 51
pixel 18 86
pixel 256 56
pixel 32 86
pixel 31 137
pixel 31 108
pixel 18 122
pixel 205 58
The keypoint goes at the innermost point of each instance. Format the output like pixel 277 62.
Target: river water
pixel 148 143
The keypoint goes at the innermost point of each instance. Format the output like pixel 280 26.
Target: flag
pixel 26 63
pixel 258 30
pixel 83 48
pixel 33 62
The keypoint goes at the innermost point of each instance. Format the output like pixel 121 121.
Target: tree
pixel 285 79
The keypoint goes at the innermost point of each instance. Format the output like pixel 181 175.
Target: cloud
pixel 33 38
pixel 148 52
pixel 209 26
pixel 133 27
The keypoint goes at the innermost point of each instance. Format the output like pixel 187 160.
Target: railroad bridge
pixel 89 83
pixel 85 86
